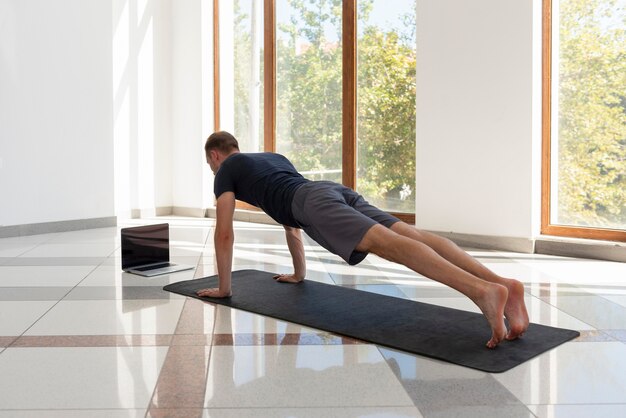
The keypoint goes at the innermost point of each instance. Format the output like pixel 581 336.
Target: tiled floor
pixel 80 338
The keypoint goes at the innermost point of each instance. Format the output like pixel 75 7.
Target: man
pixel 341 221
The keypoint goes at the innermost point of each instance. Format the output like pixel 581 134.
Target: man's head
pixel 219 146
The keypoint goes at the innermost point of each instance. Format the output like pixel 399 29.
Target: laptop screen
pixel 143 245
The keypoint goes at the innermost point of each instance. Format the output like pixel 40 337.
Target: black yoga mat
pixel 447 334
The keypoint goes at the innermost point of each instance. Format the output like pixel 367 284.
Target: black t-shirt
pixel 265 180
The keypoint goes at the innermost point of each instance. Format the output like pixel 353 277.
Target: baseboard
pixel 59 226
pixel 143 213
pixel 547 245
pixel 514 244
pixel 243 215
pixel 581 248
pixel 164 211
pixel 190 212
pixel 490 242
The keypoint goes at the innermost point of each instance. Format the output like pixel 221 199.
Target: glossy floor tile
pixel 234 321
pixel 84 249
pixel 442 389
pixel 110 317
pixel 17 316
pixel 43 276
pixel 316 376
pixel 81 338
pixel 79 378
pixel 578 411
pixel 73 413
pixel 576 373
pixel 337 412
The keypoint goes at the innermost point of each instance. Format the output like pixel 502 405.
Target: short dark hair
pixel 222 141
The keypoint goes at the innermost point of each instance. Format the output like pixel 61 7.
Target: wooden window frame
pixel 349 93
pixel 216 65
pixel 269 75
pixel 349 89
pixel 547 228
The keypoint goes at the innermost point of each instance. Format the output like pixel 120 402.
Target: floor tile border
pixel 236 339
pixel 176 340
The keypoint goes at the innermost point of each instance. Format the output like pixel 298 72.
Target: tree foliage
pixel 309 89
pixel 310 100
pixel 592 113
pixel 309 97
pixel 386 119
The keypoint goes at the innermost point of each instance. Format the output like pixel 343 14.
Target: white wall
pixel 142 92
pixel 56 149
pixel 104 108
pixel 477 110
pixel 192 102
pixel 163 89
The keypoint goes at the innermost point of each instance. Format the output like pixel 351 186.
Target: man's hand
pixel 288 278
pixel 223 241
pixel 296 249
pixel 213 292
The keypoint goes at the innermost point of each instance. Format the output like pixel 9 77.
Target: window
pixel 308 87
pixel 585 118
pixel 316 99
pixel 241 71
pixel 386 59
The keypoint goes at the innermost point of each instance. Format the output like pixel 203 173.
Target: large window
pixel 330 84
pixel 308 87
pixel 241 71
pixel 386 54
pixel 585 118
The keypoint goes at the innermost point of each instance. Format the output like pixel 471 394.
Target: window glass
pixel 386 54
pixel 588 135
pixel 241 71
pixel 308 86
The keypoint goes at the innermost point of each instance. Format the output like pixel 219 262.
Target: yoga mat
pixel 446 334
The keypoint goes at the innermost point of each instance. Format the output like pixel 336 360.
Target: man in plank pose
pixel 341 221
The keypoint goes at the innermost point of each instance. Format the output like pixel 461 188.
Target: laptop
pixel 146 251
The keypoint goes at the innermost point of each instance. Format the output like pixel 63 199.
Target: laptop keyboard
pixel 153 267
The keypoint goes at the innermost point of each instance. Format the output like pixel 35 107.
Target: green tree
pixel 592 113
pixel 309 93
pixel 386 121
pixel 243 57
pixel 309 86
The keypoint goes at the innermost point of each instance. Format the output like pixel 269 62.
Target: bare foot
pixel 213 292
pixel 515 310
pixel 288 278
pixel 492 303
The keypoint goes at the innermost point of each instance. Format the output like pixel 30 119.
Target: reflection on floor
pixel 80 338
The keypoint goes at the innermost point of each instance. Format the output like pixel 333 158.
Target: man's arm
pixel 223 240
pixel 296 248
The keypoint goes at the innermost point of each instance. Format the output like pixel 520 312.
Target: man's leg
pixel 490 297
pixel 515 309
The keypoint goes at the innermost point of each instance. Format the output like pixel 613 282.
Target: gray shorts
pixel 337 217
